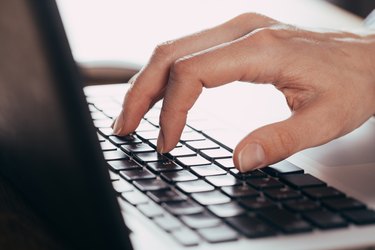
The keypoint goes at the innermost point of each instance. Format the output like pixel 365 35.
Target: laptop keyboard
pixel 196 194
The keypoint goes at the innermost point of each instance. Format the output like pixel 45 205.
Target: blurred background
pixel 108 36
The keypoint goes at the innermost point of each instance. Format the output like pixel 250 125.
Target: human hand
pixel 327 79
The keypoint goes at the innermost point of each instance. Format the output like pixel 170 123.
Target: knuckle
pixel 265 35
pixel 185 75
pixel 163 53
pixel 252 16
pixel 181 68
pixel 247 16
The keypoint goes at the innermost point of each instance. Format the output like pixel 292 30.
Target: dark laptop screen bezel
pixel 63 175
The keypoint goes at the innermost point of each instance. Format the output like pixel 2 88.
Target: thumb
pixel 275 142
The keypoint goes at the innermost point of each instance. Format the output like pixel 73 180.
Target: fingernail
pixel 117 125
pixel 251 157
pixel 160 143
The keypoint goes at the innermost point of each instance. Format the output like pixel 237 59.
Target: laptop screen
pixel 48 148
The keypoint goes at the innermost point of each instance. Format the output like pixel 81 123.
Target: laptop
pixel 99 191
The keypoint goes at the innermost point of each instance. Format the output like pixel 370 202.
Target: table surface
pixel 115 30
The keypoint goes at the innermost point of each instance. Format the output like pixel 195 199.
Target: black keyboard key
pixel 248 175
pixel 137 148
pixel 137 174
pixel 302 180
pixel 160 196
pixel 201 220
pixel 323 192
pixel 225 163
pixel 199 145
pixel 283 194
pixel 164 166
pixel 182 152
pixel 121 140
pixel 208 170
pixel 326 219
pixel 282 168
pixel 223 180
pixel 210 198
pixel 115 155
pixel 150 157
pixel 183 208
pixel 226 210
pixel 107 146
pixel 150 185
pixel 135 197
pixel 341 204
pixel 193 161
pixel 361 217
pixel 258 204
pixel 218 153
pixel 241 191
pixel 288 222
pixel 177 176
pixel 301 205
pixel 218 234
pixel 151 210
pixel 251 226
pixel 168 223
pixel 186 237
pixel 195 186
pixel 123 165
pixel 265 183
